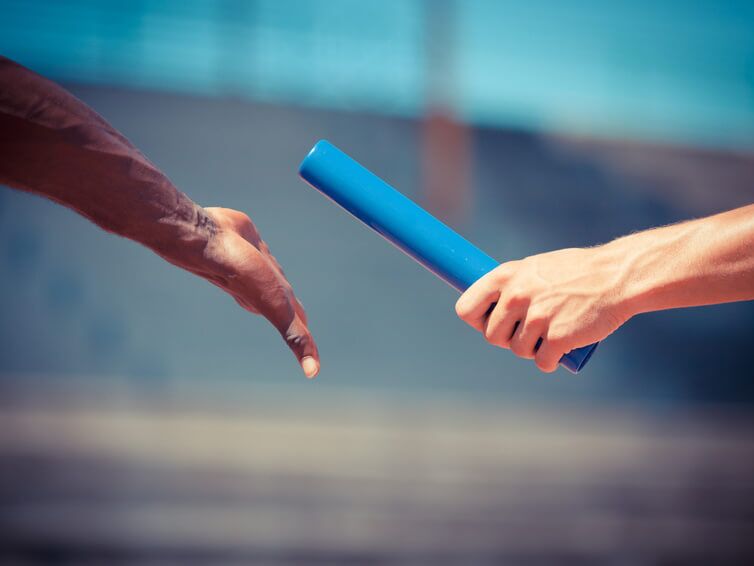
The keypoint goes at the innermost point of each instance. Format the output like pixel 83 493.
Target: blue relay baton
pixel 405 224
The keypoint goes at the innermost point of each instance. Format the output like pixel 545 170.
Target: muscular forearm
pixel 54 145
pixel 700 262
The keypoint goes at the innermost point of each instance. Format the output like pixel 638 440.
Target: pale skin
pixel 574 297
pixel 54 145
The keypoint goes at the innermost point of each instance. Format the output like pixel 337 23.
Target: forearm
pixel 52 144
pixel 699 262
pixel 546 305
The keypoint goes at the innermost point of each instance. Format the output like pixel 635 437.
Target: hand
pixel 569 298
pixel 252 276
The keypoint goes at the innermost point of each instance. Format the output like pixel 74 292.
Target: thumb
pixel 300 341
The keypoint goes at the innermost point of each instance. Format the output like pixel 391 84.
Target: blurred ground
pixel 121 477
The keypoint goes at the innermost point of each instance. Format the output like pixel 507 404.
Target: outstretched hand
pixel 253 277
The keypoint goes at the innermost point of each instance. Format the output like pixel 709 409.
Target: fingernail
pixel 310 367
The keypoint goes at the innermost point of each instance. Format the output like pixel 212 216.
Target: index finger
pixel 286 314
pixel 300 341
pixel 476 302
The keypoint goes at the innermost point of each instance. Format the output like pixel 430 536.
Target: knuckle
pixel 536 319
pixel 557 347
pixel 490 330
pixel 502 343
pixel 236 218
pixel 545 361
pixel 516 298
pixel 557 337
pixel 499 276
pixel 297 337
pixel 462 308
pixel 241 217
pixel 505 270
pixel 493 335
pixel 517 347
pixel 547 367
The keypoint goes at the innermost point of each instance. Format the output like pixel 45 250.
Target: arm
pixel 574 297
pixel 52 144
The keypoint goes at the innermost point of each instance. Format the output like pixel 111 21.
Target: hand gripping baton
pixel 405 224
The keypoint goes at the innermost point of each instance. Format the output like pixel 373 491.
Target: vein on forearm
pixel 704 261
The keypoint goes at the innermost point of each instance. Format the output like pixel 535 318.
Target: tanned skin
pixel 575 297
pixel 54 145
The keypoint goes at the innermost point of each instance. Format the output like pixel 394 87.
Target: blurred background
pixel 146 419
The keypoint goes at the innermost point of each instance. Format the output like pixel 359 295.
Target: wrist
pixel 648 266
pixel 626 288
pixel 189 238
